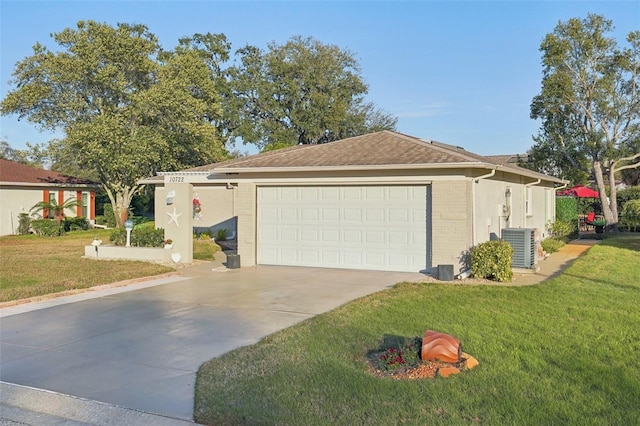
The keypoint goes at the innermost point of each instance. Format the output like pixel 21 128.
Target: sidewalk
pixel 555 263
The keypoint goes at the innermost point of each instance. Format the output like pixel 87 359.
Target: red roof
pixel 12 172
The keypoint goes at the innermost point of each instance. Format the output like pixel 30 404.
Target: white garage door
pixel 354 227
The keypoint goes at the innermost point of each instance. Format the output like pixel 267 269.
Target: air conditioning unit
pixel 524 246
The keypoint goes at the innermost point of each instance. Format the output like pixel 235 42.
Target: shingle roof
pixel 383 148
pixel 12 172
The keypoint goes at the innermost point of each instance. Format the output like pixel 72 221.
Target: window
pixel 85 205
pixel 528 202
pixel 53 199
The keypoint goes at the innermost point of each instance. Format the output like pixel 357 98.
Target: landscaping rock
pixel 448 371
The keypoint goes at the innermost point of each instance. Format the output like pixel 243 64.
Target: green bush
pixel 47 227
pixel 221 234
pixel 627 194
pixel 24 224
pixel 492 260
pixel 552 245
pixel 75 223
pixel 109 217
pixel 631 214
pixel 147 237
pixel 566 209
pixel 561 229
pixel 140 237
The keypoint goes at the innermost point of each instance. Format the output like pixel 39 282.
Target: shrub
pixel 118 237
pixel 221 234
pixel 147 237
pixel 140 237
pixel 552 245
pixel 24 224
pixel 567 211
pixel 492 260
pixel 562 229
pixel 47 227
pixel 75 223
pixel 631 214
pixel 109 217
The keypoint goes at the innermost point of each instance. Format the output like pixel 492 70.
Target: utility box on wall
pixel 523 241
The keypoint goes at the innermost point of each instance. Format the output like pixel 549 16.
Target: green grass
pixel 33 266
pixel 563 352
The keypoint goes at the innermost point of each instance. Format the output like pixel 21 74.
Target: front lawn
pixel 563 352
pixel 34 266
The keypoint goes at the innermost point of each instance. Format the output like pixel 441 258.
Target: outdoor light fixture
pixel 128 225
pixel 507 193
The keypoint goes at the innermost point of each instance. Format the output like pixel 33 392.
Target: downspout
pixel 473 204
pixel 467 272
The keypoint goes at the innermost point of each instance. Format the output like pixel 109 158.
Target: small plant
pixel 398 355
pixel 221 234
pixel 168 241
pixel 24 224
pixel 492 260
pixel 599 222
pixel 552 245
pixel 562 229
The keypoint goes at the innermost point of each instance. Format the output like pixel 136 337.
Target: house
pixel 381 201
pixel 22 186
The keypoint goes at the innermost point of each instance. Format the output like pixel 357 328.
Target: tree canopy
pixel 589 105
pixel 127 108
pixel 301 92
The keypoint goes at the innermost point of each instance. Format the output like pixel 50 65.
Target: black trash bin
pixel 233 261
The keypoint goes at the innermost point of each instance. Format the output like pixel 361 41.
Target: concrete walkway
pixel 129 355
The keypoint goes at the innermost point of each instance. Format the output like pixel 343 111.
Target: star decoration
pixel 174 217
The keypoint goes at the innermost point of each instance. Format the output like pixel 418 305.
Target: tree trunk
pixel 609 209
pixel 120 201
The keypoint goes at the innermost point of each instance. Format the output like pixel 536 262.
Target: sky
pixel 458 72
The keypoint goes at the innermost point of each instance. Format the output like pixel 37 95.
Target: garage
pixel 375 227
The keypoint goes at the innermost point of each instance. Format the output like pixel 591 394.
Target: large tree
pixel 127 108
pixel 589 103
pixel 301 92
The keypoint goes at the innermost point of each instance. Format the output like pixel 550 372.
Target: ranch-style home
pixel 381 201
pixel 22 187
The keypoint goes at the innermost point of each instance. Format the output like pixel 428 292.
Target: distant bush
pixel 492 260
pixel 563 230
pixel 47 227
pixel 109 217
pixel 24 224
pixel 631 214
pixel 552 245
pixel 75 223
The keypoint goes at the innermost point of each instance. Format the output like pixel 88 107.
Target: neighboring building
pixel 381 201
pixel 22 187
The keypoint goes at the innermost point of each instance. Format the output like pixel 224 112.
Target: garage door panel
pixel 356 227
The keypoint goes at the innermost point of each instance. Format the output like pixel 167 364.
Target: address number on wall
pixel 176 178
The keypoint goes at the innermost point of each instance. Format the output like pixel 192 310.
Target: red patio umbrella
pixel 580 192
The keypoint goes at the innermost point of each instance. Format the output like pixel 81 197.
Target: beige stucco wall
pixel 451 222
pixel 20 199
pixel 463 212
pixel 14 201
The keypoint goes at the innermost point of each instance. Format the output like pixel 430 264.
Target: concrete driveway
pixel 140 347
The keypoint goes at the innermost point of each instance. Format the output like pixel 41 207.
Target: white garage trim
pixel 376 227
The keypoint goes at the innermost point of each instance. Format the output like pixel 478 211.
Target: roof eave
pixel 52 184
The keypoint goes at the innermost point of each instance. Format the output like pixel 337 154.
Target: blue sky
pixel 459 72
